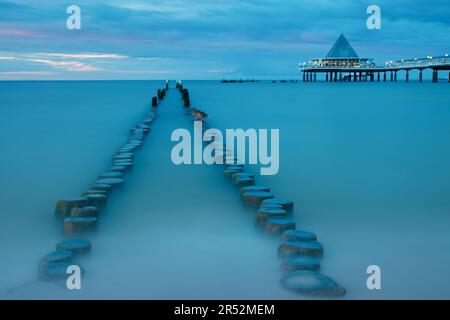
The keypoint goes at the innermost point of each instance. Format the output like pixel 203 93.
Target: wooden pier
pixel 343 64
pixel 379 74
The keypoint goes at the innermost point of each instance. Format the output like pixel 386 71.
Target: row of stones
pixel 299 250
pixel 81 214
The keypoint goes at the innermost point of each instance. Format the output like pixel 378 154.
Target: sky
pixel 200 39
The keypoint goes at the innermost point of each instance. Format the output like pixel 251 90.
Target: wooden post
pixel 420 75
pixel 395 76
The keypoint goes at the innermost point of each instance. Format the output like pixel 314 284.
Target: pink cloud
pixel 67 65
pixel 17 33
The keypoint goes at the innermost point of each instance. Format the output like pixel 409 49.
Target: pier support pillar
pixel 360 76
pixel 355 77
pixel 340 76
pixel 326 77
pixel 315 76
pixel 304 76
pixel 372 76
pixel 395 76
pixel 449 77
pixel 420 75
pixel 311 77
pixel 384 76
pixel 435 76
pixel 392 76
pixel 378 77
pixel 335 76
pixel 407 76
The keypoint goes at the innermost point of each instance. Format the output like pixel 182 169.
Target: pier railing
pixel 427 62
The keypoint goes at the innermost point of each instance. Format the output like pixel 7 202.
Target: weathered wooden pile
pixel 80 215
pixel 299 251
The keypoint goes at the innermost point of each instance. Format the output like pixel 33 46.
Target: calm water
pixel 366 165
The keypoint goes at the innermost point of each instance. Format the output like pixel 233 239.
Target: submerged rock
pixel 79 224
pixel 277 225
pixel 75 245
pixel 294 263
pixel 312 283
pixel 89 211
pixel 288 205
pixel 264 214
pixel 299 235
pixel 256 197
pixel 292 247
pixel 64 207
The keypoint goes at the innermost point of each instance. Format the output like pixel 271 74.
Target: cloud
pixel 82 55
pixel 148 58
pixel 17 33
pixel 13 73
pixel 67 65
pixel 7 58
pixel 205 38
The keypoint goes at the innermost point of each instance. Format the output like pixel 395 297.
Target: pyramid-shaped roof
pixel 342 49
